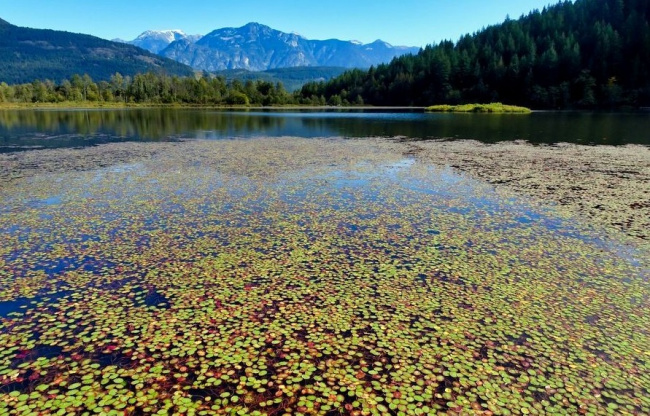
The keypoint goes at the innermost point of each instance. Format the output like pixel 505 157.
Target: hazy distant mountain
pixel 292 78
pixel 256 47
pixel 27 54
pixel 157 40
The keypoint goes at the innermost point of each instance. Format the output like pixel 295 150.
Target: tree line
pixel 149 88
pixel 591 53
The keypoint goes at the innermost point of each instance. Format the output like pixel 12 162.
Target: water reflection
pixel 24 129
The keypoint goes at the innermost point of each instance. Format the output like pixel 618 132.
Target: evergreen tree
pixel 583 54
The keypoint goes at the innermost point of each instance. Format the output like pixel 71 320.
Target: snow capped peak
pixel 157 40
pixel 168 35
pixel 167 31
pixel 258 47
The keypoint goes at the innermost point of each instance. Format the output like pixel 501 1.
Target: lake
pixel 271 275
pixel 25 129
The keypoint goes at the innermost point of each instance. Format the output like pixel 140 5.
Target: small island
pixel 496 108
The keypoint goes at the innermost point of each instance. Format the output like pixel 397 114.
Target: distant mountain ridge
pixel 156 40
pixel 256 47
pixel 28 54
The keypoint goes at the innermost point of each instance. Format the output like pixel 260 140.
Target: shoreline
pixel 127 106
pixel 607 185
pixel 4 106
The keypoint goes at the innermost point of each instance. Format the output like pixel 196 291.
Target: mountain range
pixel 156 40
pixel 256 47
pixel 28 54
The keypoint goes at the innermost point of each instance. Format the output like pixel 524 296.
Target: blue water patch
pixel 20 305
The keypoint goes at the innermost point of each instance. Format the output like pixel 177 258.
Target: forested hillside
pixel 150 88
pixel 584 54
pixel 30 54
pixel 292 78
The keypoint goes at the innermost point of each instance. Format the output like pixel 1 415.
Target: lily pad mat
pixel 293 276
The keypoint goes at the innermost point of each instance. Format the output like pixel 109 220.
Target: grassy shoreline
pixel 115 105
pixel 107 105
pixel 494 108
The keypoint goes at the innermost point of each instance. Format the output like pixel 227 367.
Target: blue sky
pixel 402 22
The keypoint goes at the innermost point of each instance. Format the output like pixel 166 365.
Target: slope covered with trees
pixel 28 54
pixel 292 78
pixel 150 88
pixel 584 54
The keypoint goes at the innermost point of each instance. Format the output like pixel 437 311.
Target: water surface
pixel 27 129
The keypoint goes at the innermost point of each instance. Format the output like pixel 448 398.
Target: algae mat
pixel 325 276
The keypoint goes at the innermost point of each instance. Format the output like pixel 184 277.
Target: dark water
pixel 27 129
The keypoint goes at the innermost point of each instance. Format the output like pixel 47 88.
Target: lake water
pixel 24 129
pixel 304 275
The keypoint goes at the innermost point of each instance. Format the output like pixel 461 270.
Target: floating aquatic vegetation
pixel 310 277
pixel 496 108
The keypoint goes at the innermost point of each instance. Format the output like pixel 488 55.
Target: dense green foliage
pixel 292 78
pixel 148 88
pixel 583 54
pixel 28 54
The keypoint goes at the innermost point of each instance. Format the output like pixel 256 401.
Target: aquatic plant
pixel 309 277
pixel 497 108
